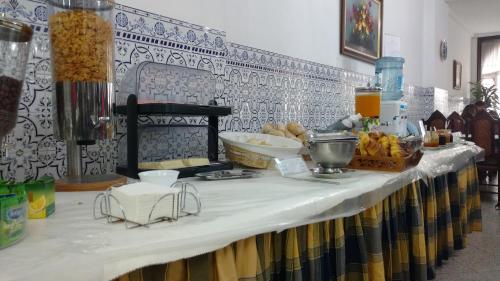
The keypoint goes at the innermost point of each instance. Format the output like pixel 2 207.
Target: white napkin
pixel 138 199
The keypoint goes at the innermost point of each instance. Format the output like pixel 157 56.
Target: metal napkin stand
pixel 103 201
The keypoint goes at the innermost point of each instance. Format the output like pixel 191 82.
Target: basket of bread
pixel 291 130
pixel 257 150
pixel 381 152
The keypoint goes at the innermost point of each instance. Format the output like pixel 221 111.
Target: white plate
pixel 449 145
pixel 280 147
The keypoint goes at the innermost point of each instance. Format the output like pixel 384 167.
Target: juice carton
pixel 41 197
pixel 13 213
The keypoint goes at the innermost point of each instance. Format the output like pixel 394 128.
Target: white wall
pixel 459 48
pixel 441 72
pixel 403 18
pixel 298 28
pixel 310 30
pixel 428 35
pixel 440 23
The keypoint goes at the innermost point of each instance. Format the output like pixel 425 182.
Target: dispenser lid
pixel 93 5
pixel 14 31
pixel 368 89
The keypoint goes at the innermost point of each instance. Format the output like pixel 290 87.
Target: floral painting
pixel 361 29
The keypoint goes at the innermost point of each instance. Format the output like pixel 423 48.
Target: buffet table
pixel 368 226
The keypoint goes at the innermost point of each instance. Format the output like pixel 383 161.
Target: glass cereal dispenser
pixel 82 52
pixel 15 38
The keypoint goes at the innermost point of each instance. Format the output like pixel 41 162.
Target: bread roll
pixel 267 128
pixel 303 138
pixel 296 128
pixel 275 132
pixel 281 127
pixel 289 135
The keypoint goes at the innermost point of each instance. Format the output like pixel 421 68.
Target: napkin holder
pixel 169 207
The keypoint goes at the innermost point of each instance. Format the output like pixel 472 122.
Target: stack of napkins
pixel 138 199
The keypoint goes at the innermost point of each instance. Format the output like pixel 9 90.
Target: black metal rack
pixel 132 110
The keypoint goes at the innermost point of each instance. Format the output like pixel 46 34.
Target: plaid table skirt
pixel 404 237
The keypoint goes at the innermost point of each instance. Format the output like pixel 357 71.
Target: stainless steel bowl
pixel 333 151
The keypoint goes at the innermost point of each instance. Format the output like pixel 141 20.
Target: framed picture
pixel 457 75
pixel 361 29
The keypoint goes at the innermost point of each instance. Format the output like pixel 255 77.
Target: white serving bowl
pixel 160 177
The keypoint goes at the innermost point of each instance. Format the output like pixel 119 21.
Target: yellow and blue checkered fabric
pixel 404 237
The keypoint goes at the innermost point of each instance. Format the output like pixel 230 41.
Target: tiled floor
pixel 480 261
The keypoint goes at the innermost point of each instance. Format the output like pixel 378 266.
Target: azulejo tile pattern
pixel 266 87
pixel 420 102
pixel 260 85
pixel 32 150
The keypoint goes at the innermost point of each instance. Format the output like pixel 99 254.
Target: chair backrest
pixel 469 112
pixel 456 123
pixel 493 114
pixel 437 120
pixel 484 132
pixel 481 105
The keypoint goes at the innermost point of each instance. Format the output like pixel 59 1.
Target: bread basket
pixel 239 150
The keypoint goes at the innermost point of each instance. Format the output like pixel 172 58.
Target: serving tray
pixel 228 175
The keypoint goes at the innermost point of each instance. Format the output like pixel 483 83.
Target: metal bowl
pixel 332 152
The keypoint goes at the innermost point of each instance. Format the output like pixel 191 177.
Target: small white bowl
pixel 160 177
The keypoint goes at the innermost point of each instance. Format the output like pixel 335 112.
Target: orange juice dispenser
pixel 367 102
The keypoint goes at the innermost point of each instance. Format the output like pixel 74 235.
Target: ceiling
pixel 479 16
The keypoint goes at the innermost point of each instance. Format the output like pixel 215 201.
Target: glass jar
pixel 367 102
pixel 15 39
pixel 446 133
pixel 431 139
pixel 82 49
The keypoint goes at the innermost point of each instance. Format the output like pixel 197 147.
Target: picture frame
pixel 361 29
pixel 457 75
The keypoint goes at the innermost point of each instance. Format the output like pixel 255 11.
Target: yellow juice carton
pixel 41 198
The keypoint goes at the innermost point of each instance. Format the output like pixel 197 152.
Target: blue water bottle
pixel 389 75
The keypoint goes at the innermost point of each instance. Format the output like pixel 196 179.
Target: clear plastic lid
pixel 161 83
pixel 96 5
pixel 14 31
pixel 367 91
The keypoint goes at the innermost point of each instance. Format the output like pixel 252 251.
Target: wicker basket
pixel 247 158
pixel 388 164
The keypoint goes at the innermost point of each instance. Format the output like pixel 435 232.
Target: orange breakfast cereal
pixel 82 46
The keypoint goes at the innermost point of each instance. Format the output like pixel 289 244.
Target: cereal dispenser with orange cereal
pixel 82 52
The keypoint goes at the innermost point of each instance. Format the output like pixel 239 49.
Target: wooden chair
pixel 484 131
pixel 437 120
pixel 456 123
pixel 481 105
pixel 494 114
pixel 468 114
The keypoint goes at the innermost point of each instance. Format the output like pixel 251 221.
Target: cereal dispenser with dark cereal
pixel 15 39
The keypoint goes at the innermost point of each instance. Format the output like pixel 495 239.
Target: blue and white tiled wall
pixel 261 86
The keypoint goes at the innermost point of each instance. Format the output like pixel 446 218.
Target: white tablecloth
pixel 71 245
